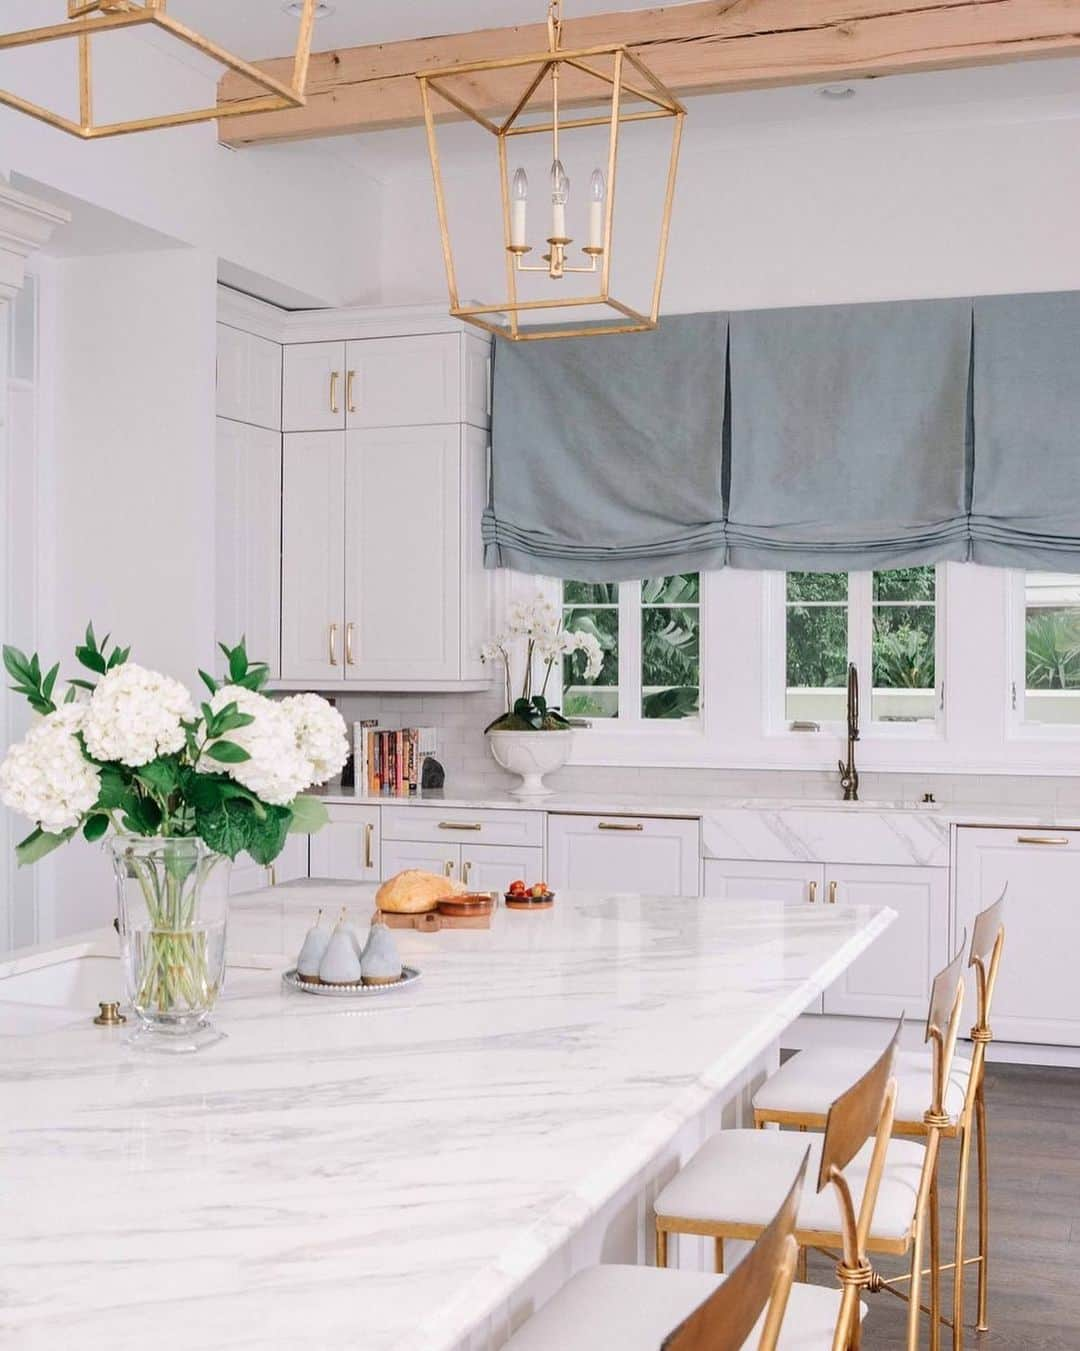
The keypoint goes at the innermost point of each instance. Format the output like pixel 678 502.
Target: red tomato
pixel 517 886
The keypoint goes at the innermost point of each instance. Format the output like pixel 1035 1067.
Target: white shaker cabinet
pixel 492 867
pixel 248 378
pixel 1037 998
pixel 289 866
pixel 313 392
pixel 247 518
pixel 656 856
pixel 893 976
pixel 737 880
pixel 347 848
pixel 313 558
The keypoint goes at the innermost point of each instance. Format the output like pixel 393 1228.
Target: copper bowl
pixel 525 900
pixel 470 903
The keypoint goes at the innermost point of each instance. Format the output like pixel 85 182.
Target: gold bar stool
pixel 799 1093
pixel 726 1189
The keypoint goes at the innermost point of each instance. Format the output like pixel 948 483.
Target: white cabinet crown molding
pixel 381 321
pixel 26 225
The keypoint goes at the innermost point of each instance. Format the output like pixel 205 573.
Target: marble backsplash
pixel 461 718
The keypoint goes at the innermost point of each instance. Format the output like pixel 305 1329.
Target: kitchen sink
pixel 73 982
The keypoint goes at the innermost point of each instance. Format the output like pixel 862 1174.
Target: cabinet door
pixel 650 855
pixel 1036 998
pixel 736 880
pixel 893 976
pixel 248 378
pixel 489 867
pixel 313 557
pixel 476 610
pixel 402 382
pixel 247 509
pixel 403 554
pixel 347 848
pixel 313 394
pixel 289 866
pixel 397 855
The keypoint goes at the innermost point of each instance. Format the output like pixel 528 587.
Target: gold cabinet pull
pixel 334 377
pixel 369 835
pixel 460 825
pixel 466 869
pixel 333 645
pixel 813 893
pixel 350 386
pixel 832 892
pixel 271 875
pixel 1042 839
pixel 349 661
pixel 620 825
pixel 448 867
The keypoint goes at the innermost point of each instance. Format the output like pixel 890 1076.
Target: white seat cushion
pixel 812 1080
pixel 742 1176
pixel 615 1308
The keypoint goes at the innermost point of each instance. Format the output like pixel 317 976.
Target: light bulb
pixel 560 191
pixel 597 193
pixel 519 195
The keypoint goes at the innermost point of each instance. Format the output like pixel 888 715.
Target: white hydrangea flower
pixel 278 770
pixel 135 715
pixel 46 777
pixel 320 735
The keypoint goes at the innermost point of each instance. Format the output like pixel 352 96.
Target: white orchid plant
pixel 535 635
pixel 129 752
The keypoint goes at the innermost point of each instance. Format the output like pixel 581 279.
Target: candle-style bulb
pixel 560 192
pixel 597 194
pixel 597 186
pixel 519 195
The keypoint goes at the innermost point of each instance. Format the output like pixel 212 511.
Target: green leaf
pixel 83 684
pixel 160 776
pixel 16 663
pixel 308 814
pixel 91 659
pixel 209 681
pixel 95 826
pixel 267 837
pixel 142 815
pixel 228 753
pixel 226 828
pixel 49 682
pixel 114 789
pixel 238 662
pixel 232 722
pixel 39 843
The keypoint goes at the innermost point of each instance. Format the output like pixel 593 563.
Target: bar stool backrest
pixel 942 1028
pixel 987 941
pixel 760 1283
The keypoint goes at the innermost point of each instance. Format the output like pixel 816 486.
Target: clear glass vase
pixel 173 903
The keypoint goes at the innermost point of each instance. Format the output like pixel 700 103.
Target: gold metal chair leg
pixel 935 1265
pixel 961 1234
pixel 848 1334
pixel 661 1247
pixel 915 1288
pixel 718 1244
pixel 800 1270
pixel 983 1323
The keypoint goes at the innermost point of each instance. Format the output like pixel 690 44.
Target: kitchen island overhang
pixel 417 1172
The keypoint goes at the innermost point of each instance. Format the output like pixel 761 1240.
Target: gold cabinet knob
pixel 110 1015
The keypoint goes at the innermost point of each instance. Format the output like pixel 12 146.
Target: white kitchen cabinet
pixel 313 557
pixel 1037 998
pixel 428 856
pixel 492 867
pixel 313 389
pixel 248 378
pixel 247 513
pixel 656 856
pixel 289 866
pixel 893 976
pixel 471 826
pixel 738 880
pixel 403 564
pixel 348 846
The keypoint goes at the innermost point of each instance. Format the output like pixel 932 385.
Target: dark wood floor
pixel 1034 1122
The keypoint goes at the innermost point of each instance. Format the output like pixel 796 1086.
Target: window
pixel 885 622
pixel 1051 648
pixel 650 634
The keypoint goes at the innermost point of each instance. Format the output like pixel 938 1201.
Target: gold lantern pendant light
pixel 88 19
pixel 607 74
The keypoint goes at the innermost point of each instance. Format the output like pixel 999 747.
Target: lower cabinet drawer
pixel 460 825
pixel 655 856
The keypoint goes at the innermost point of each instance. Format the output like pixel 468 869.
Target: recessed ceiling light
pixel 837 91
pixel 296 8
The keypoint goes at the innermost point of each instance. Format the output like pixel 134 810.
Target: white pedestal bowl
pixel 531 755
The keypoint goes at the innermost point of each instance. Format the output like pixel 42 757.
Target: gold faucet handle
pixel 110 1015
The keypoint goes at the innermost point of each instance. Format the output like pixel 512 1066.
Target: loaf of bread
pixel 413 892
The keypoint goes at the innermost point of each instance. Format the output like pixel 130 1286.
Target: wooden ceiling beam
pixel 694 48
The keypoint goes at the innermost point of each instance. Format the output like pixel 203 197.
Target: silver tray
pixel 409 976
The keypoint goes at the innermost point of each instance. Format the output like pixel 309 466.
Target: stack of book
pixel 390 762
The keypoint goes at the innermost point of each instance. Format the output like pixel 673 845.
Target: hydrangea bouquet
pixel 127 754
pixel 535 638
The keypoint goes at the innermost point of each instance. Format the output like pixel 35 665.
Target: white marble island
pixel 412 1173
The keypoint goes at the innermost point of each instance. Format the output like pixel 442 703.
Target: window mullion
pixel 630 651
pixel 861 628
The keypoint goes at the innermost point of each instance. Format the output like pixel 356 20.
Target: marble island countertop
pixel 379 1175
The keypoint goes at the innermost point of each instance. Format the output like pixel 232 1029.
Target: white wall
pixel 127 529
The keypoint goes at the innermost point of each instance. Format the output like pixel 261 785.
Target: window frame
pixel 860 637
pixel 1018 727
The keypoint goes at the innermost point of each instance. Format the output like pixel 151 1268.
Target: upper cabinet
pixel 248 378
pixel 423 379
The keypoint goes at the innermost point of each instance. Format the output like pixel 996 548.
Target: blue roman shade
pixel 849 436
pixel 1026 484
pixel 607 453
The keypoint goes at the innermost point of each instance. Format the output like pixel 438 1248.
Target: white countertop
pixel 380 1176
